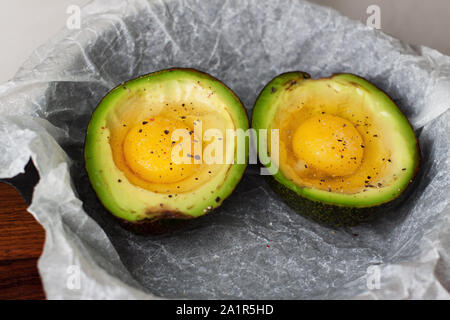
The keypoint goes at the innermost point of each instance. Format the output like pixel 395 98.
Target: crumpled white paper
pixel 254 246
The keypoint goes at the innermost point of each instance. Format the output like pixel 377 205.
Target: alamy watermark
pixel 73 277
pixel 74 19
pixel 374 18
pixel 229 147
pixel 373 277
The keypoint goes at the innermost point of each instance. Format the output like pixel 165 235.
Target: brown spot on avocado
pixel 291 84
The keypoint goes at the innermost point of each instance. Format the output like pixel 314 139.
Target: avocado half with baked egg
pixel 344 147
pixel 131 143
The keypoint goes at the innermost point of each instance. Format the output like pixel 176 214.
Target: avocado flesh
pixel 178 96
pixel 341 190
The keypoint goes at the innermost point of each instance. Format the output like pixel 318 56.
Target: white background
pixel 26 24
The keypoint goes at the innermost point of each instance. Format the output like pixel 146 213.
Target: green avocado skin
pixel 319 210
pixel 167 221
pixel 336 216
pixel 326 214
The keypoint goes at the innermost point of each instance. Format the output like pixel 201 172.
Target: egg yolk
pixel 147 149
pixel 329 144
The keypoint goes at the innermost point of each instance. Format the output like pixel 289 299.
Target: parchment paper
pixel 254 246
